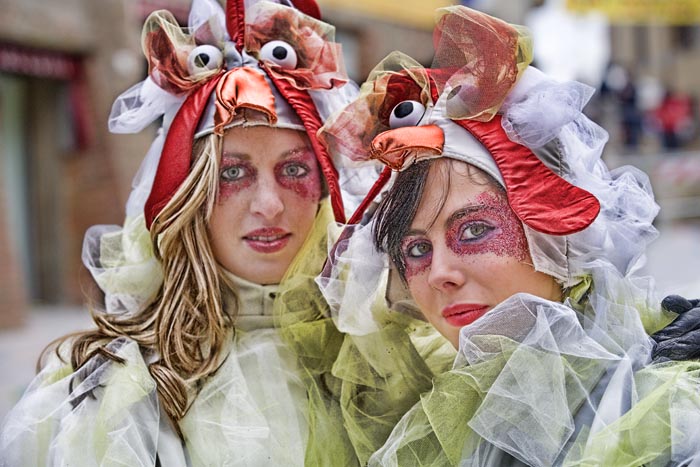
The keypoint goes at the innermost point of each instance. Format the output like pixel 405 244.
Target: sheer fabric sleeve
pixel 104 414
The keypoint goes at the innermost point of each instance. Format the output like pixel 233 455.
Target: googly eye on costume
pixel 406 113
pixel 204 58
pixel 279 53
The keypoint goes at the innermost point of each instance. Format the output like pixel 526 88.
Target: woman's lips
pixel 462 314
pixel 268 240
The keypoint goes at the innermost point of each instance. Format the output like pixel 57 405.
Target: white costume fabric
pixel 251 412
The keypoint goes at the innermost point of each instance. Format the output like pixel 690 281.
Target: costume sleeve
pixel 104 414
pixel 660 427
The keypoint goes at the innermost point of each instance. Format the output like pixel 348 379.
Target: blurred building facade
pixel 62 63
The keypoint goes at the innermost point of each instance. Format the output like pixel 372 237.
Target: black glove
pixel 680 340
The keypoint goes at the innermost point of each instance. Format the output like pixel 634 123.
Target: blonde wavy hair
pixel 185 325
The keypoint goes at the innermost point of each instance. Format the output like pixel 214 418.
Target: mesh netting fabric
pixel 253 411
pixel 167 47
pixel 350 131
pixel 303 319
pixel 538 383
pixel 106 414
pixel 320 59
pixel 478 59
pixel 538 107
pixel 122 263
pixel 388 357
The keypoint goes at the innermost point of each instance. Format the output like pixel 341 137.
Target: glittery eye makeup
pixel 486 226
pixel 297 171
pixel 491 228
pixel 235 175
pixel 417 255
pixel 300 174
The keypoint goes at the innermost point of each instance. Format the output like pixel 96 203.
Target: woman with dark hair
pixel 213 345
pixel 519 246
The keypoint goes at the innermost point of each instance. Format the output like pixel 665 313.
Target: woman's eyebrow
pixel 235 155
pixel 414 232
pixel 460 213
pixel 295 151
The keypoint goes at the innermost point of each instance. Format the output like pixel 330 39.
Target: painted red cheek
pixel 507 239
pixel 228 188
pixel 307 186
pixel 416 266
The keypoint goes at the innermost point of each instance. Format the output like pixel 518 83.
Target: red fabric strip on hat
pixel 308 7
pixel 174 164
pixel 538 196
pixel 305 108
pixel 384 177
pixel 235 22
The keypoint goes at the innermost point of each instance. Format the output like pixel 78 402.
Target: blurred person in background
pixel 675 119
pixel 622 87
pixel 630 114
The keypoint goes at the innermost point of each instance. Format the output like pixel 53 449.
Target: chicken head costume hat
pixel 242 64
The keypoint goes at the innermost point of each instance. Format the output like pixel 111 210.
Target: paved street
pixel 20 348
pixel 674 260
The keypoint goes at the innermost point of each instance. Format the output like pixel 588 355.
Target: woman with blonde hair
pixel 516 243
pixel 214 346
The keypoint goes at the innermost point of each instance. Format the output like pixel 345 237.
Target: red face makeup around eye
pixel 417 255
pixel 300 174
pixel 235 174
pixel 492 228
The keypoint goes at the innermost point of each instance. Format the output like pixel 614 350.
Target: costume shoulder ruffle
pixel 538 383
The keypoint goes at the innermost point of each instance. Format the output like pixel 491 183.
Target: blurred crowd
pixel 650 113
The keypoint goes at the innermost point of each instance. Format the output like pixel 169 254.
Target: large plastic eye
pixel 281 53
pixel 406 113
pixel 204 58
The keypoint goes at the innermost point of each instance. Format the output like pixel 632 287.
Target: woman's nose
pixel 446 271
pixel 268 199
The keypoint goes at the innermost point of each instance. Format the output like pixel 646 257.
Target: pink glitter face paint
pixel 417 255
pixel 490 228
pixel 297 172
pixel 235 175
pixel 300 174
